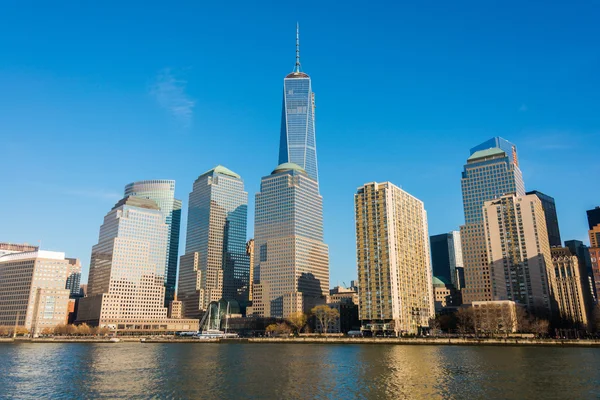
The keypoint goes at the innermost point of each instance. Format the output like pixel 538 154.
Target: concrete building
pixel 162 191
pixel 570 280
pixel 498 316
pixel 74 277
pixel 32 289
pixel 519 253
pixel 251 279
pixel 126 288
pixel 175 309
pixel 291 262
pixel 549 207
pixel 342 294
pixel 394 274
pixel 491 171
pixel 583 256
pixel 446 257
pixel 215 264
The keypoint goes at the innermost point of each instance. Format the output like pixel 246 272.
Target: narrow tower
pixel 297 143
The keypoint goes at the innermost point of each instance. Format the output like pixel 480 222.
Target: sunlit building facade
pixel 394 274
pixel 163 193
pixel 571 286
pixel 32 289
pixel 519 252
pixel 126 288
pixel 491 171
pixel 215 264
pixel 291 261
pixel 298 141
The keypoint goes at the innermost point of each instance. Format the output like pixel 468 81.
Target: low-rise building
pixel 498 316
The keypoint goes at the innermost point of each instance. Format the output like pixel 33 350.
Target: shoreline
pixel 331 340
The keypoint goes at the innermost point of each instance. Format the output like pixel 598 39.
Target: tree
pixel 540 327
pixel 46 332
pixel 278 329
pixel 523 320
pixel 297 321
pixel 325 315
pixel 464 321
pixel 84 330
pixel 435 325
pixel 4 330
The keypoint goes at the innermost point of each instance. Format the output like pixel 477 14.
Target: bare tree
pixel 325 315
pixel 464 321
pixel 540 327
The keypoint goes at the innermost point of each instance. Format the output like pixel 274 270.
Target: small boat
pixel 115 340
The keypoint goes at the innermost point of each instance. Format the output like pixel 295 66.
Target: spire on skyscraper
pixel 297 67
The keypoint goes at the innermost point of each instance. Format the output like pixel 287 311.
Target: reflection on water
pixel 295 371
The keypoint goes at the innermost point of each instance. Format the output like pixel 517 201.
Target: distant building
pixel 341 294
pixel 593 217
pixel 394 273
pixel 570 279
pixel 291 260
pixel 446 257
pixel 162 191
pixel 492 170
pixel 215 264
pixel 583 255
pixel 518 252
pixel 126 289
pixel 551 218
pixel 444 294
pixel 32 290
pixel 83 290
pixel 252 277
pixel 11 248
pixel 175 309
pixel 74 277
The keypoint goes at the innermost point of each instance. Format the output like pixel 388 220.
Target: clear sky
pixel 95 96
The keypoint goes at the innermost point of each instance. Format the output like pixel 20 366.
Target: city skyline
pixel 407 141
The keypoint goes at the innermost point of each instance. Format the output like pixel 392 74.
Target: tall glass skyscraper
pixel 298 144
pixel 491 171
pixel 163 194
pixel 215 264
pixel 291 262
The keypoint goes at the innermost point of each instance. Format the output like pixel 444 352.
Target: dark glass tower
pixel 297 143
pixel 551 218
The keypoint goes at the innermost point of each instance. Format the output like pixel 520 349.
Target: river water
pixel 296 371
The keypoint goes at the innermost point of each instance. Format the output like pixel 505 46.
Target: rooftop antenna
pixel 297 68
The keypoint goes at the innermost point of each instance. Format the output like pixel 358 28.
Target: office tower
pixel 163 193
pixel 551 218
pixel 291 260
pixel 32 289
pixel 74 277
pixel 446 257
pixel 298 143
pixel 215 264
pixel 491 171
pixel 583 255
pixel 593 217
pixel 571 282
pixel 394 274
pixel 519 253
pixel 444 294
pixel 126 288
pixel 251 276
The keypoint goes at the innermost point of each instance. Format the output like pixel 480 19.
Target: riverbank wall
pixel 329 340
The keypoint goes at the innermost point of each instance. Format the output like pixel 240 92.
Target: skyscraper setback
pixel 298 142
pixel 163 193
pixel 215 264
pixel 491 171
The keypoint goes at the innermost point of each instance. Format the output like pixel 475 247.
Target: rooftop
pixel 494 152
pixel 219 169
pixel 288 167
pixel 438 281
pixel 28 255
pixel 137 202
pixel 297 75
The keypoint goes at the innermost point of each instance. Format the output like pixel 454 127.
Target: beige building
pixel 175 309
pixel 570 281
pixel 444 294
pixel 250 253
pixel 519 253
pixel 394 273
pixel 344 295
pixel 126 288
pixel 32 289
pixel 11 248
pixel 498 316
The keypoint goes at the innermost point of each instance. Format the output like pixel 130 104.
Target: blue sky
pixel 93 97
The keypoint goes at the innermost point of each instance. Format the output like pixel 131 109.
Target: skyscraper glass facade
pixel 291 261
pixel 297 143
pixel 491 171
pixel 163 193
pixel 215 265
